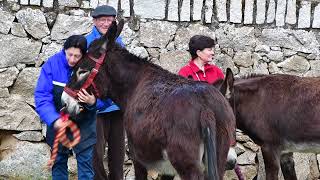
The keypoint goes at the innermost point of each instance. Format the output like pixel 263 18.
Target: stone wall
pixel 263 36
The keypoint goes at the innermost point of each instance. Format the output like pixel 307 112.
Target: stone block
pixel 280 12
pixel 291 17
pixel 316 17
pixel 6 20
pixel 173 10
pixel 154 10
pixel 208 10
pixel 35 2
pixel 197 9
pixel 125 5
pixel 24 2
pixel 221 8
pixel 185 11
pixel 304 20
pixel 261 11
pixel 17 30
pixel 248 12
pixel 236 11
pixel 47 3
pixel 271 13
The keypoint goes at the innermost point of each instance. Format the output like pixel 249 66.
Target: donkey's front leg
pixel 140 171
pixel 287 166
pixel 271 156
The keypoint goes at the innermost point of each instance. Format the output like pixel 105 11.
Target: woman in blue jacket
pixel 55 73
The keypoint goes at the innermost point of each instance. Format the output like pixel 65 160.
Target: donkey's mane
pixel 143 62
pixel 252 75
pixel 249 78
pixel 132 57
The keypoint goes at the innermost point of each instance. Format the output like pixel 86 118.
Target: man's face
pixel 103 23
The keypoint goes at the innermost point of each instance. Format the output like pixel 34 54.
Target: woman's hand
pixel 85 97
pixel 59 123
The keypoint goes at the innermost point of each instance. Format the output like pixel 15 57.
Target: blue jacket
pixel 95 34
pixel 55 73
pixel 105 105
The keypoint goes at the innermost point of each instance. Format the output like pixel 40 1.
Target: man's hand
pixel 85 97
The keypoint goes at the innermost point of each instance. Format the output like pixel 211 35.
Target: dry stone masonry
pixel 253 36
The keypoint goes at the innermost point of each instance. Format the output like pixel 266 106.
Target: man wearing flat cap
pixel 109 121
pixel 103 16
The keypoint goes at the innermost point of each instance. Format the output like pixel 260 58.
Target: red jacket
pixel 210 74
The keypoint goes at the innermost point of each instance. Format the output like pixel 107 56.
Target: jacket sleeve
pixel 44 96
pixel 102 104
pixel 183 72
pixel 90 38
pixel 120 42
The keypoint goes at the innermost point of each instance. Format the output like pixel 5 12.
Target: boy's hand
pixel 59 123
pixel 85 97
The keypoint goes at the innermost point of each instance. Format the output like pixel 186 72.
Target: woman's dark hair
pixel 199 42
pixel 76 41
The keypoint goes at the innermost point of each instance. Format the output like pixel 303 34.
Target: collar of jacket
pixel 196 69
pixel 96 33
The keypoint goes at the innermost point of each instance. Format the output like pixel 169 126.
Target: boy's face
pixel 103 23
pixel 73 55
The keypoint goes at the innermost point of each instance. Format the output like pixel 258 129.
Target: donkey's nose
pixel 231 164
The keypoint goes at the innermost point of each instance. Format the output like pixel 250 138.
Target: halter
pixel 61 137
pixel 74 93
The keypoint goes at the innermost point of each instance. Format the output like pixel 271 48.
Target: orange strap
pixel 61 136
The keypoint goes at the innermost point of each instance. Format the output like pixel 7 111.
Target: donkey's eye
pixel 81 73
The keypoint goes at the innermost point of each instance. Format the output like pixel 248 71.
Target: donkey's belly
pixel 302 147
pixel 164 166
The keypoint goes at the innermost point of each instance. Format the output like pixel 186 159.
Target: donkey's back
pixel 280 105
pixel 282 114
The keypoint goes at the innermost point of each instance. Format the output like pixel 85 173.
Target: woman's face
pixel 206 55
pixel 73 56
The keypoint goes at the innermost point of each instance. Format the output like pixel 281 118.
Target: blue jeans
pixel 84 164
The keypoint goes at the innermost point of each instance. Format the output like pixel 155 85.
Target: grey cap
pixel 104 10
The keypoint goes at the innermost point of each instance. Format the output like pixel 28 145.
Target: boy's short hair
pixel 199 42
pixel 76 41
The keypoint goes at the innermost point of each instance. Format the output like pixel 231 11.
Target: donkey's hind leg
pixel 287 166
pixel 140 171
pixel 167 177
pixel 186 161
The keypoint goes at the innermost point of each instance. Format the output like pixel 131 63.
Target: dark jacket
pixel 108 103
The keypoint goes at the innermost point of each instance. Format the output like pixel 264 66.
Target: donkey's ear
pixel 111 33
pixel 120 27
pixel 227 86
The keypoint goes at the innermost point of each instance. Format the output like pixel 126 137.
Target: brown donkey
pixel 171 122
pixel 281 113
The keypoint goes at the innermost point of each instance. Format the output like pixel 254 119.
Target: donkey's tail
pixel 210 143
